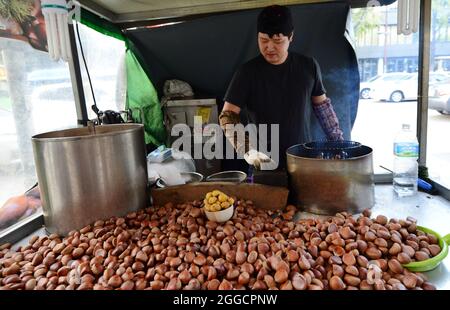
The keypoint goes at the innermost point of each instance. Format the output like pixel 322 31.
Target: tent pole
pixel 77 80
pixel 423 78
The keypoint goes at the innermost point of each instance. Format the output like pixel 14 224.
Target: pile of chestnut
pixel 175 247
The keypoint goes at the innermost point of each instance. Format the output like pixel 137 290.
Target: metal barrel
pixel 87 174
pixel 329 186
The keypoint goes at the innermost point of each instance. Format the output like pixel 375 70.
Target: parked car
pixel 439 97
pixel 403 89
pixel 365 88
pixel 48 76
pixel 51 107
pixel 59 75
pixel 55 102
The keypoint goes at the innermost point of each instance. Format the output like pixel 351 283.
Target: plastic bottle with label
pixel 406 153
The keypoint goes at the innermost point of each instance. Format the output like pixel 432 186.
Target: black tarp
pixel 205 52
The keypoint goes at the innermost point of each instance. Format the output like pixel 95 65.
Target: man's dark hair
pixel 275 19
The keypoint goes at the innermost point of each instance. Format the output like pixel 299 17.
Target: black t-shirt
pixel 278 94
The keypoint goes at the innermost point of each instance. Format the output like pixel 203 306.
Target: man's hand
pixel 230 116
pixel 259 160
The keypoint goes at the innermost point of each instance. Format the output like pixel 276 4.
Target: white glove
pixel 260 160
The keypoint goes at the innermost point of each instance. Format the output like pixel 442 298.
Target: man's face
pixel 275 49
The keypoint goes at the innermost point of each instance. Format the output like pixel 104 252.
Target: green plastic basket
pixel 431 263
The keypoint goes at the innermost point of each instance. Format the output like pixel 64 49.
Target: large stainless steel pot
pixel 86 174
pixel 328 186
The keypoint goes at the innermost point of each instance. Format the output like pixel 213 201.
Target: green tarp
pixel 143 102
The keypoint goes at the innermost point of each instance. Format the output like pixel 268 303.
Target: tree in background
pixel 364 21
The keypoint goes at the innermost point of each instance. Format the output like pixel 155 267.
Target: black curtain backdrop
pixel 206 52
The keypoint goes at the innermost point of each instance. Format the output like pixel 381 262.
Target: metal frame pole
pixel 423 78
pixel 77 80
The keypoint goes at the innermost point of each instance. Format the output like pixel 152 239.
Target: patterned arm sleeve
pixel 328 120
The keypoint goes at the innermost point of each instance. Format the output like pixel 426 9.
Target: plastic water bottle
pixel 406 153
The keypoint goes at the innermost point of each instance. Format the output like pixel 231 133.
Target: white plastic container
pixel 170 168
pixel 405 171
pixel 220 216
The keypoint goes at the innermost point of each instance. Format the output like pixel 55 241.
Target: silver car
pixel 439 97
pixel 405 88
pixel 366 88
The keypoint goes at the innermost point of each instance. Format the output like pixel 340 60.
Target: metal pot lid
pixel 235 176
pixel 329 150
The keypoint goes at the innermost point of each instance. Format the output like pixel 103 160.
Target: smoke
pixel 342 86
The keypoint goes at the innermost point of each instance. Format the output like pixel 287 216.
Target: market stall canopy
pixel 119 11
pixel 162 50
pixel 206 51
